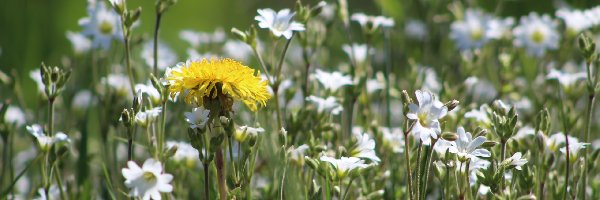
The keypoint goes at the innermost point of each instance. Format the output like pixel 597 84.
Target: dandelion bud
pixel 452 104
pixel 489 144
pixel 449 136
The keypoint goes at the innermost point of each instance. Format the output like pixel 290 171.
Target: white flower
pixel 334 80
pixel 372 22
pixel 516 161
pixel 575 20
pixel 83 100
pixel 499 28
pixel 166 56
pixel 480 115
pixel 330 104
pixel 238 50
pixel 81 44
pixel 102 24
pixel 149 90
pixel 475 165
pixel 36 76
pixel 564 78
pixel 148 181
pixel 197 118
pixel 470 33
pixel 185 153
pixel 45 141
pixel 297 154
pixel 364 148
pixel 466 147
pixel 574 148
pixel 557 140
pixel 14 115
pixel 536 34
pixel 344 165
pixel 415 29
pixel 119 83
pixel 524 132
pixel 244 131
pixel 426 113
pixel 356 52
pixel 279 23
pixel 145 118
pixel 393 138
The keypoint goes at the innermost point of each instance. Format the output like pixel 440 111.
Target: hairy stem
pixel 156 28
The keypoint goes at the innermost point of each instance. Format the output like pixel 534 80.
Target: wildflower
pixel 185 153
pixel 297 154
pixel 480 115
pixel 223 80
pixel 197 118
pixel 83 100
pixel 102 24
pixel 557 140
pixel 475 164
pixel 499 28
pixel 147 181
pixel 45 141
pixel 470 33
pixel 81 44
pixel 356 52
pixel 344 165
pixel 14 115
pixel 536 33
pixel 515 161
pixel 426 115
pixel 334 80
pixel 466 147
pixel 244 132
pixel 147 117
pixel 575 20
pixel 574 148
pixel 415 29
pixel 329 104
pixel 279 23
pixel 371 23
pixel 564 78
pixel 480 90
pixel 364 148
pixel 149 90
pixel 166 56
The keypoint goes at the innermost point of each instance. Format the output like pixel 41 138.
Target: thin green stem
pixel 156 28
pixel 220 164
pixel 565 128
pixel 502 156
pixel 347 189
pixel 59 183
pixel 418 174
pixel 206 181
pixel 128 63
pixel 468 184
pixel 262 63
pixel 51 116
pixel 161 132
pixel 426 170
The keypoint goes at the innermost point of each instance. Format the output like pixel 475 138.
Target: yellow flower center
pixel 106 28
pixel 149 177
pixel 423 119
pixel 476 34
pixel 537 36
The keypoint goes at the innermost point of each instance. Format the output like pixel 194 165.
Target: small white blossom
pixel 564 78
pixel 297 153
pixel 575 20
pixel 499 28
pixel 364 148
pixel 536 34
pixel 238 50
pixel 516 160
pixel 242 133
pixel 279 23
pixel 197 118
pixel 356 52
pixel 470 33
pixel 81 44
pixel 426 115
pixel 46 141
pixel 557 140
pixel 145 118
pixel 393 138
pixel 329 104
pixel 467 147
pixel 36 76
pixel 524 132
pixel 334 80
pixel 147 181
pixel 102 24
pixel 119 83
pixel 149 90
pixel 344 165
pixel 374 85
pixel 416 29
pixel 166 56
pixel 15 115
pixel 574 148
pixel 53 193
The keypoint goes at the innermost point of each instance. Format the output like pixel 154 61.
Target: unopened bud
pixel 449 136
pixel 137 101
pixel 406 98
pixel 239 34
pixel 126 117
pixel 452 104
pixel 489 144
pixel 171 151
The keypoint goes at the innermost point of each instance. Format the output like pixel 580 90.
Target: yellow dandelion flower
pixel 203 82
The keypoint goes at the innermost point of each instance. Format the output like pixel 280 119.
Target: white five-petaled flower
pixel 356 52
pixel 45 141
pixel 536 34
pixel 516 161
pixel 364 148
pixel 574 148
pixel 279 23
pixel 372 22
pixel 297 153
pixel 329 104
pixel 102 24
pixel 555 141
pixel 344 165
pixel 332 81
pixel 564 78
pixel 197 118
pixel 166 56
pixel 147 117
pixel 480 115
pixel 147 181
pixel 470 33
pixel 576 20
pixel 426 115
pixel 81 44
pixel 466 147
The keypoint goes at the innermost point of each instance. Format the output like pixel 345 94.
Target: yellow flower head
pixel 203 82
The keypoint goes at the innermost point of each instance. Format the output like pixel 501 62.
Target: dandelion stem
pixel 206 180
pixel 156 28
pixel 220 164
